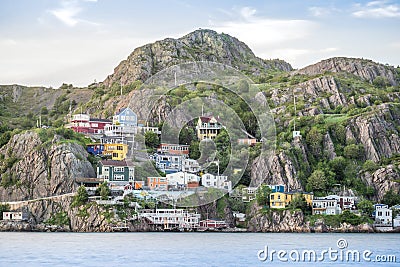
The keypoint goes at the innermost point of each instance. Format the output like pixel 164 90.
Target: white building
pixel 345 202
pixel 172 218
pixel 181 179
pixel 190 165
pixel 215 181
pixel 382 214
pixel 168 163
pixel 326 205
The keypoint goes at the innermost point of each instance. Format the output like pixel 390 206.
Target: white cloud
pixel 263 32
pixel 377 9
pixel 319 11
pixel 69 11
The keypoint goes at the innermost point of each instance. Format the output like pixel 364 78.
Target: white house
pixel 190 165
pixel 15 215
pixel 181 179
pixel 345 202
pixel 382 214
pixel 396 220
pixel 168 163
pixel 326 205
pixel 215 181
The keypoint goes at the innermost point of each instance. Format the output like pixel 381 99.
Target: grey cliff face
pixel 41 170
pixel 364 69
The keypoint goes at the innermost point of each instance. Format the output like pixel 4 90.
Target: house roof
pixel 207 119
pixel 123 109
pixel 100 120
pixel 114 163
pixel 299 192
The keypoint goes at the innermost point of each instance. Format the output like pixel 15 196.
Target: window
pixel 119 169
pixel 118 177
pixel 272 197
pixel 119 148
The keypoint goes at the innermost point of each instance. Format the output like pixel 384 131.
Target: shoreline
pixel 20 226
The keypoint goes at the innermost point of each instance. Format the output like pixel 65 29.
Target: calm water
pixel 183 249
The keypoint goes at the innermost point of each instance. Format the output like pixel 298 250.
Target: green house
pixel 115 172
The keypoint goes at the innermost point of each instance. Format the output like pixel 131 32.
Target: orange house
pixel 157 183
pixel 174 149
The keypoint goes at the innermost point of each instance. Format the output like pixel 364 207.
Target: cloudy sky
pixel 48 42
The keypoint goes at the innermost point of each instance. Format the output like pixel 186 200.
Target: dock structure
pixel 170 219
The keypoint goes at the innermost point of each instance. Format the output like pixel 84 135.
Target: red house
pixel 213 224
pixel 82 123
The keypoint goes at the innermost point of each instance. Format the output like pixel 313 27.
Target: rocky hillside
pixel 200 45
pixel 365 69
pixel 21 106
pixel 350 128
pixel 34 165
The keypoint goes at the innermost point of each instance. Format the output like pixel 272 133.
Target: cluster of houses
pixel 328 205
pixel 116 139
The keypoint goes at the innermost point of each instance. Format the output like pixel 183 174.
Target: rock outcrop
pixel 200 45
pixel 275 169
pixel 383 180
pixel 377 132
pixel 276 221
pixel 31 169
pixel 365 69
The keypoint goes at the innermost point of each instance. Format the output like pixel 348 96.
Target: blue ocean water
pixel 195 249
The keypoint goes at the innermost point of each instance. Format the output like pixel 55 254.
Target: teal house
pixel 116 172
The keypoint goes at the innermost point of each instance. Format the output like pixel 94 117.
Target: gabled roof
pixel 100 120
pixel 114 163
pixel 207 119
pixel 123 109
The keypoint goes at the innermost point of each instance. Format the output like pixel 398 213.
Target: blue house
pixel 95 149
pixel 125 117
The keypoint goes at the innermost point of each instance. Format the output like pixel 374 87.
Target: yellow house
pixel 277 200
pixel 116 151
pixel 208 128
pixel 280 200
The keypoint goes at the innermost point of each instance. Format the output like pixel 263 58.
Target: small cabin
pixel 15 216
pixel 296 134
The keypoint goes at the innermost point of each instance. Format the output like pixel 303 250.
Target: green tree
pixel 370 166
pixel 338 166
pixel 381 82
pixel 194 150
pixel 151 139
pixel 243 86
pixel 187 135
pixel 391 198
pixel 317 181
pixel 3 207
pixel 314 140
pixel 299 202
pixel 104 191
pixel 366 207
pixel 81 197
pixel 353 151
pixel 262 195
